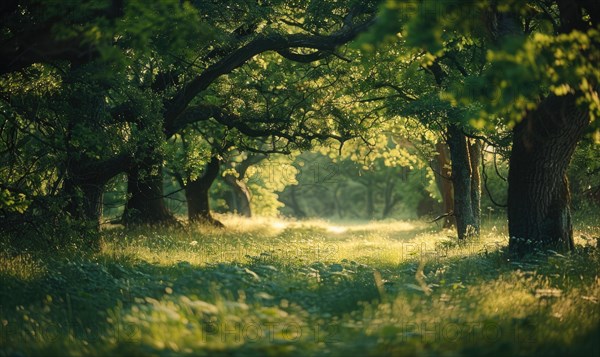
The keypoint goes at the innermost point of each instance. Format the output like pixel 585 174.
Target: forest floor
pixel 282 287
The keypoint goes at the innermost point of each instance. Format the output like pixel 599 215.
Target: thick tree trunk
pixel 196 194
pixel 538 195
pixel 461 181
pixel 475 148
pixel 442 166
pixel 93 201
pixel 84 186
pixel 146 203
pixel 240 195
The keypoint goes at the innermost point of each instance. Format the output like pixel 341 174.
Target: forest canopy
pixel 402 103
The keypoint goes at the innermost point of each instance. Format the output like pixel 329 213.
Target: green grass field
pixel 277 287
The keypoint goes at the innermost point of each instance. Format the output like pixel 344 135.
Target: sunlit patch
pixel 336 229
pixel 279 225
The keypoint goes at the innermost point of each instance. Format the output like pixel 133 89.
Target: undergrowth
pixel 276 287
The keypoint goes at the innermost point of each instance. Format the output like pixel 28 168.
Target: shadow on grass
pixel 76 296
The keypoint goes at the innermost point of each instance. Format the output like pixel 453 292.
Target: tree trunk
pixel 461 181
pixel 475 148
pixel 196 194
pixel 538 194
pixel 442 165
pixel 240 195
pixel 84 186
pixel 146 203
pixel 85 200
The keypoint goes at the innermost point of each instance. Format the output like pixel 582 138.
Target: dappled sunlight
pixel 300 178
pixel 188 290
pixel 22 267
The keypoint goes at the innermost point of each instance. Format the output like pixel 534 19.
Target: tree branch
pixel 176 106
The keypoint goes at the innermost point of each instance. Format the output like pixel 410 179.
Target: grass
pixel 281 287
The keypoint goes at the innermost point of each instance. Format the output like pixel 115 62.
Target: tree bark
pixel 461 181
pixel 441 164
pixel 146 203
pixel 475 148
pixel 240 195
pixel 196 194
pixel 539 215
pixel 85 183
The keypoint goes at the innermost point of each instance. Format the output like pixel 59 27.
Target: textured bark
pixel 197 197
pixel 240 195
pixel 146 203
pixel 538 195
pixel 441 165
pixel 475 157
pixel 461 181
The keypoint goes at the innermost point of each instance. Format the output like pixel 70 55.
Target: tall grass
pixel 283 287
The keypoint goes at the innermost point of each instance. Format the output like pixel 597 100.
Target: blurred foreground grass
pixel 277 287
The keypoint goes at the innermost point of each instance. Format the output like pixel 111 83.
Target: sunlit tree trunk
pixel 442 164
pixel 197 194
pixel 240 195
pixel 466 224
pixel 539 215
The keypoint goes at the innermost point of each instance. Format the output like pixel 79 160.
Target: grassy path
pixel 270 287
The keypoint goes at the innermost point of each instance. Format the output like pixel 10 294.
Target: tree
pixel 441 166
pixel 189 101
pixel 235 179
pixel 540 78
pixel 412 88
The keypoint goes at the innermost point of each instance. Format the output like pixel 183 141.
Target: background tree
pixel 256 29
pixel 528 82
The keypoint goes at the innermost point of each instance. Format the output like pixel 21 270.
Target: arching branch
pixel 265 43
